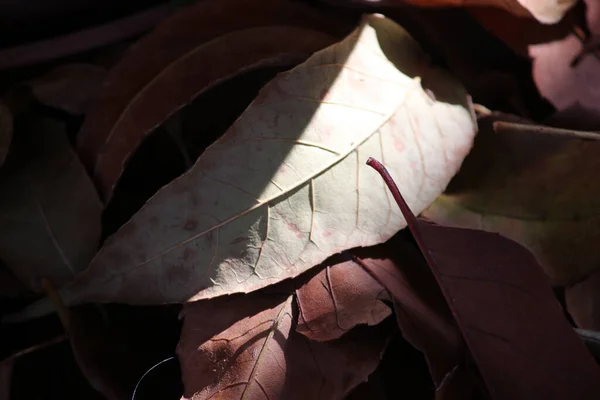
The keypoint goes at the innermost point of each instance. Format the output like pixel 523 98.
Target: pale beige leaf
pixel 286 186
pixel 49 210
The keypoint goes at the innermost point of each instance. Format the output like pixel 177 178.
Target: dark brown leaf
pixel 184 57
pixel 506 311
pixel 49 209
pixel 246 346
pixel 421 311
pixel 341 296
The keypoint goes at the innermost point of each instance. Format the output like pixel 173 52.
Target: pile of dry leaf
pixel 186 208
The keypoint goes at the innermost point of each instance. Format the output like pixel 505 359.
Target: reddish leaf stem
pixel 411 220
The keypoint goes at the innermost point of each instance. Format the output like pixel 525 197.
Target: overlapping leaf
pixel 282 190
pixel 506 311
pixel 421 311
pixel 338 298
pixel 534 189
pixel 49 209
pixel 565 84
pixel 186 55
pixel 245 346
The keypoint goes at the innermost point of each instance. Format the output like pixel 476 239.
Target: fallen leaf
pixel 506 311
pixel 245 346
pixel 545 11
pixel 6 131
pixel 421 311
pixel 583 302
pixel 563 84
pixel 281 190
pixel 68 87
pixel 341 296
pixel 50 212
pixel 134 100
pixel 534 189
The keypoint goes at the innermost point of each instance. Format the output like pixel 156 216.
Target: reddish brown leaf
pixel 583 302
pixel 68 87
pixel 505 309
pixel 184 57
pixel 246 346
pixel 337 299
pixel 421 311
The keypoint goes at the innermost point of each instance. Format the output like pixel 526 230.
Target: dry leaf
pixel 281 191
pixel 534 189
pixel 545 11
pixel 245 346
pixel 563 84
pixel 338 298
pixel 50 212
pixel 6 131
pixel 68 87
pixel 506 311
pixel 134 100
pixel 421 311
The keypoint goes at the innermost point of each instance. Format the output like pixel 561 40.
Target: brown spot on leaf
pixel 190 225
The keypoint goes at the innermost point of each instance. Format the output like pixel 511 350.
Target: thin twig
pixel 508 127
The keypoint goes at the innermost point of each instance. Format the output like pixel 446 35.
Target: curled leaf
pixel 282 190
pixel 183 58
